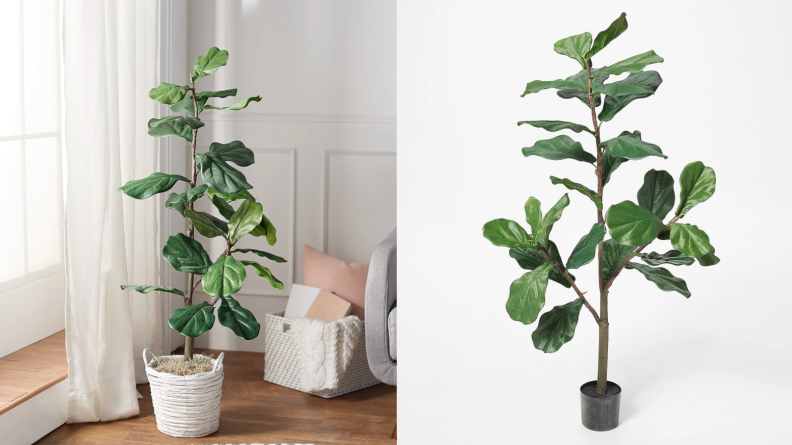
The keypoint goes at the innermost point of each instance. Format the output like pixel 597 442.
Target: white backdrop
pixel 711 369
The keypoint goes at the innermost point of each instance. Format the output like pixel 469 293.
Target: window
pixel 30 142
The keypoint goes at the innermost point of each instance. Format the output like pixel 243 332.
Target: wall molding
pixel 299 118
pixel 326 185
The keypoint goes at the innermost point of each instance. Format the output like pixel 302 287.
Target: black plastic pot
pixel 600 412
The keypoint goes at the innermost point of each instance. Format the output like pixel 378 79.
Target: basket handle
pixel 218 362
pixel 147 362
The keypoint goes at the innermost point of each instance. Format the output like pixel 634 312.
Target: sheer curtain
pixel 110 63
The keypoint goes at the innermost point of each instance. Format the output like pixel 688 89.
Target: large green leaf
pixel 575 47
pixel 657 193
pixel 181 126
pixel 533 215
pixel 221 93
pixel 709 259
pixel 506 233
pixel 186 254
pixel 225 277
pixel 634 63
pixel 219 223
pixel 527 295
pixel 586 248
pixel 210 62
pixel 267 230
pixel 261 253
pixel 231 197
pixel 146 289
pixel 581 93
pixel 611 163
pixel 203 224
pixel 236 105
pixel 177 202
pixel 223 207
pixel 168 93
pixel 632 148
pixel 235 152
pixel 150 186
pixel 605 37
pixel 558 148
pixel 529 258
pixel 614 255
pixel 613 105
pixel 690 240
pixel 186 104
pixel 193 320
pixel 221 176
pixel 554 214
pixel 196 192
pixel 246 218
pixel 620 89
pixel 539 85
pixel 240 320
pixel 660 276
pixel 264 272
pixel 590 194
pixel 673 257
pixel 632 225
pixel 556 126
pixel 698 185
pixel 557 326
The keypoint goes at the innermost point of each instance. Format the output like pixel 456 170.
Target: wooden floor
pixel 255 411
pixel 31 370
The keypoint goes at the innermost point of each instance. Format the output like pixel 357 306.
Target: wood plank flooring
pixel 255 411
pixel 31 370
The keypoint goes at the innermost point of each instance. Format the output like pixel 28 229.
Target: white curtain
pixel 110 63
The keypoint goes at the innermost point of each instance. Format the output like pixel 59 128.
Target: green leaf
pixel 529 258
pixel 605 37
pixel 196 192
pixel 558 148
pixel 246 218
pixel 261 253
pixel 575 47
pixel 224 278
pixel 586 248
pixel 209 62
pixel 614 255
pixel 557 326
pixel 203 224
pixel 614 104
pixel 632 225
pixel 657 193
pixel 539 85
pixel 193 320
pixel 619 89
pixel 634 63
pixel 664 234
pixel 698 185
pixel 690 240
pixel 150 186
pixel 554 214
pixel 240 320
pixel 223 207
pixel 168 93
pixel 632 148
pixel 222 93
pixel 611 163
pixel 660 276
pixel 527 295
pixel 235 152
pixel 177 202
pixel 506 233
pixel 709 259
pixel 266 229
pixel 264 272
pixel 556 126
pixel 186 104
pixel 673 257
pixel 147 289
pixel 221 176
pixel 231 197
pixel 186 254
pixel 237 105
pixel 533 215
pixel 581 78
pixel 590 194
pixel 219 223
pixel 181 126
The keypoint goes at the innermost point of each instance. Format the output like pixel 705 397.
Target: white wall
pixel 710 369
pixel 324 133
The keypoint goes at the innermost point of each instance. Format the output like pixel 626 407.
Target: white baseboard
pixel 37 417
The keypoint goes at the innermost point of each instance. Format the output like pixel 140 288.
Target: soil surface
pixel 177 366
pixel 590 390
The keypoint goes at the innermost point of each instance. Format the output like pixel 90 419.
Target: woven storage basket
pixel 186 406
pixel 282 364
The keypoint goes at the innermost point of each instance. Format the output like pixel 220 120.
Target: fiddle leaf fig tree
pixel 631 226
pixel 223 186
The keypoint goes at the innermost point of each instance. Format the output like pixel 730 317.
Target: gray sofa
pixel 381 311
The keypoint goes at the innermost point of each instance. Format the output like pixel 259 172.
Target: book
pixel 328 307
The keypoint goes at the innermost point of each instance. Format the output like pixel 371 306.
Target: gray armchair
pixel 381 311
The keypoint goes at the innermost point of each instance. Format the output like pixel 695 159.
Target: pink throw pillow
pixel 348 281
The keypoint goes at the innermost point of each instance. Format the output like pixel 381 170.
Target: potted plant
pixel 189 405
pixel 632 226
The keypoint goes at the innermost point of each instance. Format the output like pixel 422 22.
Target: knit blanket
pixel 325 350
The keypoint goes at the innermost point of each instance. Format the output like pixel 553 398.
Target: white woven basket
pixel 282 364
pixel 186 406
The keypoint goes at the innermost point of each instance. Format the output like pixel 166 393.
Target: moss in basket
pixel 178 366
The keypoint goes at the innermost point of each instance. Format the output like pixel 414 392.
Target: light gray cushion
pixel 392 333
pixel 380 300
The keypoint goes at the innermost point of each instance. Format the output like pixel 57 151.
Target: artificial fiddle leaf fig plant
pixel 223 186
pixel 632 225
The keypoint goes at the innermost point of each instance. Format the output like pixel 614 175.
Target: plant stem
pixel 602 360
pixel 571 281
pixel 189 342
